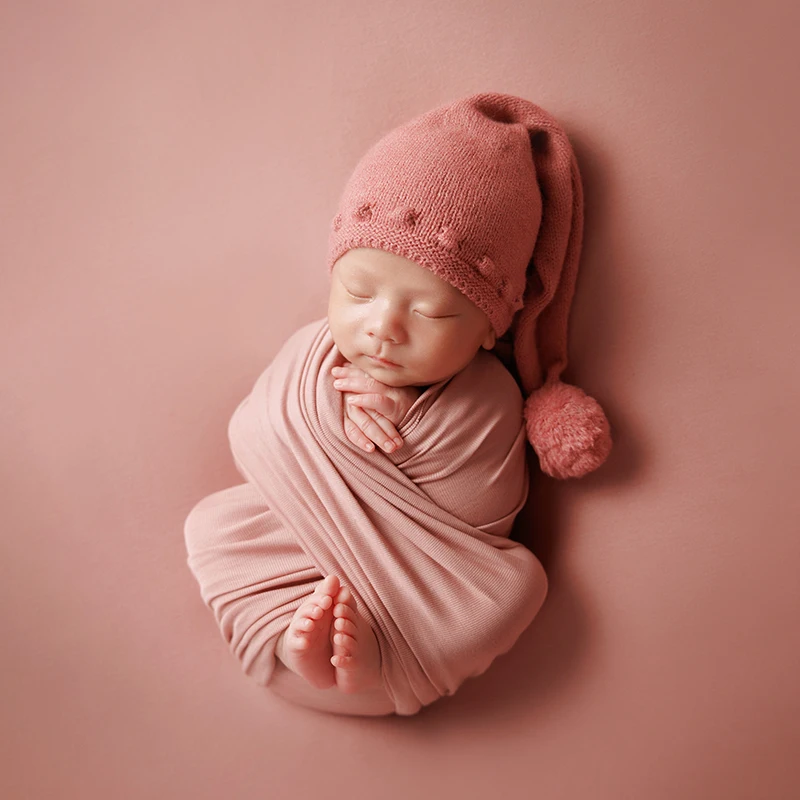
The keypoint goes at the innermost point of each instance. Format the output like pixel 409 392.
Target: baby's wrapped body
pixel 420 535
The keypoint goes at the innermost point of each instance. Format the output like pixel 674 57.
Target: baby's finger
pixel 370 427
pixel 355 435
pixel 355 381
pixel 387 427
pixel 346 370
pixel 377 402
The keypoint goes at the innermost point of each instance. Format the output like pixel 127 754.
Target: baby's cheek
pixel 342 337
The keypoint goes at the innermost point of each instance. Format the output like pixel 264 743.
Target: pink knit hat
pixel 485 192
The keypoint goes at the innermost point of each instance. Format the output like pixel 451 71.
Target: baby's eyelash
pixel 425 316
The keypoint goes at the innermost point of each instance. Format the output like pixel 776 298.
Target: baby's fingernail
pixel 369 447
pixel 338 382
pixel 398 441
pixel 388 447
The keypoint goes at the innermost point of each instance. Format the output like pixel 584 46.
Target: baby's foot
pixel 356 655
pixel 305 646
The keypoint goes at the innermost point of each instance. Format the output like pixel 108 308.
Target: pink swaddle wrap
pixel 419 535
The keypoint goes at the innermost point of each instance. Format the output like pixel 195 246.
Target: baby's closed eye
pixel 357 296
pixel 436 314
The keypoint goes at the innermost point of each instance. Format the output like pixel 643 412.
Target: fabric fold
pixel 420 535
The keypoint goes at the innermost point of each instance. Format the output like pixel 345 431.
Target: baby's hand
pixel 371 408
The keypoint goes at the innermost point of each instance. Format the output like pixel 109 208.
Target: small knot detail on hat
pixel 487 267
pixel 448 238
pixel 568 430
pixel 404 217
pixel 506 291
pixel 363 213
pixel 337 222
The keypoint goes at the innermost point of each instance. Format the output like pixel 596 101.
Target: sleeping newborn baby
pixel 366 566
pixel 401 329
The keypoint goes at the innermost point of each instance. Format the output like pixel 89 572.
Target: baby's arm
pixel 372 409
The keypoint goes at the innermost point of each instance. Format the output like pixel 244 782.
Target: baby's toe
pixel 341 662
pixel 329 587
pixel 321 601
pixel 344 595
pixel 344 625
pixel 342 611
pixel 346 645
pixel 312 609
pixel 308 615
pixel 303 625
pixel 345 604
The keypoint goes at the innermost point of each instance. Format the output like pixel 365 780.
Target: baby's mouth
pixel 382 361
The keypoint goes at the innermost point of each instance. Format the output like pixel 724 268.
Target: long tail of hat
pixel 566 427
pixel 540 329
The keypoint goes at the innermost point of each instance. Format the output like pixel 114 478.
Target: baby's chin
pixel 398 378
pixel 390 376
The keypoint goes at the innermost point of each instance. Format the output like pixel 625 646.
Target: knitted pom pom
pixel 568 430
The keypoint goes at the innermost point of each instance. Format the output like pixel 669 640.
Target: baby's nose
pixel 385 326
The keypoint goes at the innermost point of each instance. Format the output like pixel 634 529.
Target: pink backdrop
pixel 169 170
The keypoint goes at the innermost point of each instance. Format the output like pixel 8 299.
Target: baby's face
pixel 388 306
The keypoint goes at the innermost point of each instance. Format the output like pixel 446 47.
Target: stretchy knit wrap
pixel 421 535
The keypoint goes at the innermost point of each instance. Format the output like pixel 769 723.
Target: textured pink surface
pixel 168 174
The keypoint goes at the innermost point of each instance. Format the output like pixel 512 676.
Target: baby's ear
pixel 488 342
